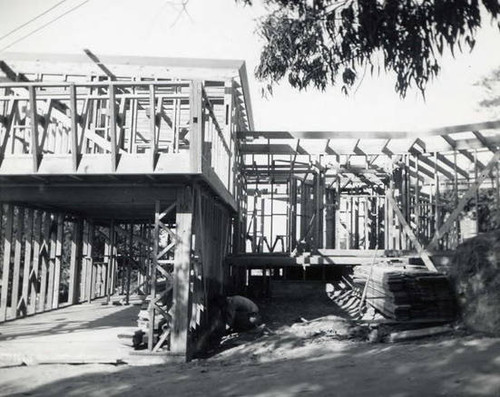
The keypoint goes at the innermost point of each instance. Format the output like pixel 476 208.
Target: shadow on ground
pixel 463 367
pixel 71 319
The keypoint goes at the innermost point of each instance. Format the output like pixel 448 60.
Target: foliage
pixel 321 42
pixel 487 208
pixel 490 86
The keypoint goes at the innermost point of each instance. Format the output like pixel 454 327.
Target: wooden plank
pixel 89 279
pixel 196 127
pixel 152 126
pixel 463 201
pixel 152 273
pixel 34 147
pixel 75 262
pixel 112 127
pixel 110 245
pixel 28 260
pixel 419 333
pixel 44 253
pixel 35 272
pixel 182 266
pixel 368 134
pixel 52 261
pixel 16 272
pixel 73 126
pixel 409 232
pixel 7 248
pixel 58 260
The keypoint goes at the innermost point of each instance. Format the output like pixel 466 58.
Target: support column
pixel 58 260
pixel 17 261
pixel 182 264
pixel 34 273
pixel 75 261
pixel 6 261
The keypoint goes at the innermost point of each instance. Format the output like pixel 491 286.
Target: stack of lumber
pixel 406 293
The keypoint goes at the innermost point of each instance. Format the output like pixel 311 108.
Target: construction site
pixel 140 185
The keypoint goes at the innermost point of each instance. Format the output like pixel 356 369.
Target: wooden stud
pixel 463 201
pixel 112 127
pixel 90 262
pixel 110 261
pixel 152 275
pixel 16 272
pixel 58 260
pixel 409 232
pixel 196 127
pixel 7 252
pixel 73 127
pixel 129 261
pixel 34 147
pixel 75 262
pixel 152 126
pixel 182 266
pixel 52 262
pixel 44 252
pixel 27 260
pixel 35 272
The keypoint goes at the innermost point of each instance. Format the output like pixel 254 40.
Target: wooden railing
pixel 77 119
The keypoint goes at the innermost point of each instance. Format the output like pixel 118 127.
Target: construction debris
pixel 419 333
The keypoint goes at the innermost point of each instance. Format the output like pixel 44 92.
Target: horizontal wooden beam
pixel 384 134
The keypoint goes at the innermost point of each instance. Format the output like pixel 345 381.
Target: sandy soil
pixel 288 357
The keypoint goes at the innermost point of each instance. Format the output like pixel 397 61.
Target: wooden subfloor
pixel 85 333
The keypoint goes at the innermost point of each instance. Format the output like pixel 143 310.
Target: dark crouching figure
pixel 239 313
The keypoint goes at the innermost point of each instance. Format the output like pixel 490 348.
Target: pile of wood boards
pixel 406 293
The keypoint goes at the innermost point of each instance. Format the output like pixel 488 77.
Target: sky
pixel 225 29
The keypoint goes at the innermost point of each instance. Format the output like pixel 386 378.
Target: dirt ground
pixel 288 357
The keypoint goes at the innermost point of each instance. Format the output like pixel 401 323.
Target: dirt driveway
pixel 289 358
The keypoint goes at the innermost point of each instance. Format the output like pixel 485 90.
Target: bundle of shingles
pixel 406 293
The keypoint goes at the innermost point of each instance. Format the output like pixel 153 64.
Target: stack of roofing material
pixel 406 293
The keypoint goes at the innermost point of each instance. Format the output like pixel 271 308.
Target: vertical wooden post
pixel 417 198
pixel 337 208
pixel 455 188
pixel 7 252
pixel 35 150
pixel 182 265
pixel 254 223
pixel 90 262
pixel 293 214
pixel 74 126
pixel 17 262
pixel 110 260
pixel 27 258
pixel 75 262
pixel 260 245
pixel 152 275
pixel 58 260
pixel 129 261
pixel 228 105
pixel 112 127
pixel 196 126
pixel 37 243
pixel 152 126
pixel 45 260
pixel 317 211
pixel 114 263
pixel 52 263
pixel 329 239
pixel 437 215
